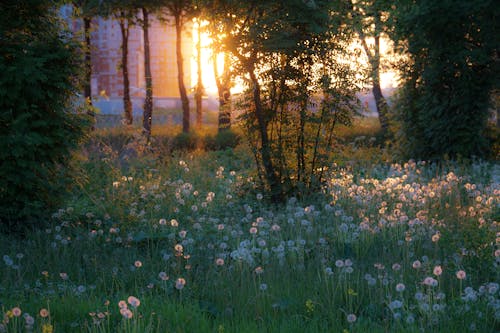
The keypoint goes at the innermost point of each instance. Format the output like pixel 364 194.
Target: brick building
pixel 106 57
pixel 107 80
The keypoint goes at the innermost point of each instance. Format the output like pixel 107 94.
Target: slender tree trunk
pixel 265 149
pixel 148 102
pixel 88 61
pixel 87 88
pixel 180 75
pixel 127 104
pixel 380 101
pixel 224 91
pixel 301 161
pixel 377 91
pixel 199 84
pixel 374 60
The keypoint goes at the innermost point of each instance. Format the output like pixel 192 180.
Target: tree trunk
pixel 148 102
pixel 380 101
pixel 180 74
pixel 87 88
pixel 88 61
pixel 374 60
pixel 127 104
pixel 265 149
pixel 301 147
pixel 381 104
pixel 199 84
pixel 224 93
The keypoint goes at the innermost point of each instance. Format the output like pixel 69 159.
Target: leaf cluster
pixel 289 53
pixel 450 72
pixel 38 125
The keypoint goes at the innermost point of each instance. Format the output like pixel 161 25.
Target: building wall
pixel 106 58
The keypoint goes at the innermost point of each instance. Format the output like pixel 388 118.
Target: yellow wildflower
pixel 47 328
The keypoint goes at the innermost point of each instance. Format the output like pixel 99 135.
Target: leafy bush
pixel 222 140
pixel 185 141
pixel 38 127
pixel 451 69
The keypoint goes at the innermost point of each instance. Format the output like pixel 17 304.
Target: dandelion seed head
pixel 180 283
pixel 400 287
pixel 30 321
pixel 461 275
pixel 126 313
pixel 44 313
pixel 351 318
pixel 438 270
pixel 16 311
pixel 133 301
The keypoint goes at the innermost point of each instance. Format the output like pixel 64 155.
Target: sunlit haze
pixel 388 79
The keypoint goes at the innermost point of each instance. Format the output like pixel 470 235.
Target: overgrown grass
pixel 382 248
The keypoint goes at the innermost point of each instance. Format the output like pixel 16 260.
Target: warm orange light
pixel 207 58
pixel 388 78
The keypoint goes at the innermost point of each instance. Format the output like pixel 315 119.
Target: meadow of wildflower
pixel 186 242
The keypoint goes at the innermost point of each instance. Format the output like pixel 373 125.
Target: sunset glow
pixel 206 60
pixel 388 78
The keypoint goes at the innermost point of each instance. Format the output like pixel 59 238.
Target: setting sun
pixel 207 58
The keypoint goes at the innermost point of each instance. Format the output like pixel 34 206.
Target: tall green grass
pixel 190 235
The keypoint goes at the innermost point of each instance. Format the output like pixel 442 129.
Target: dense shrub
pixel 451 68
pixel 38 124
pixel 222 140
pixel 185 141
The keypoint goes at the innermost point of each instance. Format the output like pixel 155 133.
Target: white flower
pixel 29 320
pixel 351 318
pixel 180 283
pixel 400 287
pixel 461 275
pixel 126 313
pixel 133 301
pixel 429 281
pixel 396 304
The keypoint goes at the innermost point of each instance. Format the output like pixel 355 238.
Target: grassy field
pixel 185 242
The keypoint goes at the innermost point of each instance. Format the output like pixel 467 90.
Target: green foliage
pixel 299 89
pixel 450 71
pixel 222 140
pixel 186 141
pixel 38 123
